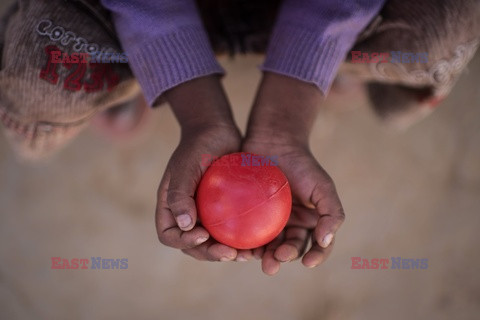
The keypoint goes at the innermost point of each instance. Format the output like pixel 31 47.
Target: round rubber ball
pixel 244 200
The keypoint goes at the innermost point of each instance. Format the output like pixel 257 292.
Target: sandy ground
pixel 414 195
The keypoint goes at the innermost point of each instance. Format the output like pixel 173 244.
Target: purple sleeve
pixel 312 37
pixel 165 42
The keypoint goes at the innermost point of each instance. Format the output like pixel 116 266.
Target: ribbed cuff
pixel 310 57
pixel 171 59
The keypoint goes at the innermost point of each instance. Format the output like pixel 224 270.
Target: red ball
pixel 244 200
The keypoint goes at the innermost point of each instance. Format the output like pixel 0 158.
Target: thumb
pixel 181 197
pixel 330 211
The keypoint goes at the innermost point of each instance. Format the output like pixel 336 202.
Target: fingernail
pixel 309 205
pixel 183 221
pixel 241 259
pixel 201 240
pixel 326 240
pixel 292 256
pixel 225 259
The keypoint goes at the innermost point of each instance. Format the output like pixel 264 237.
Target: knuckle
pixel 340 215
pixel 210 256
pixel 164 239
pixel 174 195
pixel 187 243
pixel 322 191
pixel 194 254
pixel 329 186
pixel 169 239
pixel 212 259
pixel 177 198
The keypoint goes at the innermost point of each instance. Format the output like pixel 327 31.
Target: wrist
pixel 284 110
pixel 200 103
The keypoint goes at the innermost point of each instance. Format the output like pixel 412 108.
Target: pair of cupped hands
pixel 279 125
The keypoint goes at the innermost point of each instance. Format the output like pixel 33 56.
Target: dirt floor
pixel 414 194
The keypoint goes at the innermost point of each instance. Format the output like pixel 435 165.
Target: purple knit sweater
pixel 167 45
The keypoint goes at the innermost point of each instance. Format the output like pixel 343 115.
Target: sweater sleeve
pixel 312 37
pixel 165 42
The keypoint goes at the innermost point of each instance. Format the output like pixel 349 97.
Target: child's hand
pixel 316 213
pixel 207 129
pixel 280 125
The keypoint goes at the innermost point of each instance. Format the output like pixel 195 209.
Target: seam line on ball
pixel 252 208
